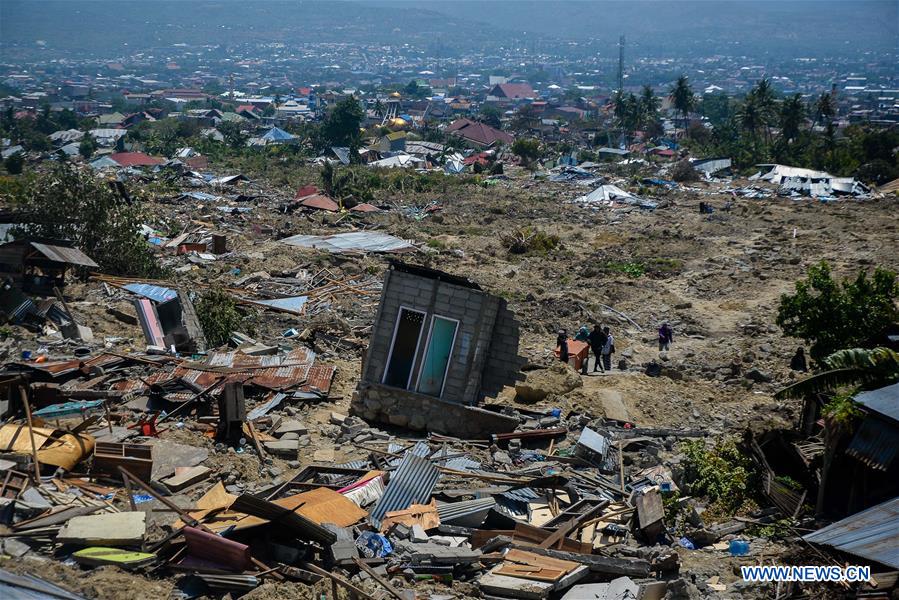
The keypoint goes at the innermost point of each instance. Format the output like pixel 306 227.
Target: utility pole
pixel 231 86
pixel 621 65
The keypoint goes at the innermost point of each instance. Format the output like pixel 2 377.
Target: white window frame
pixel 428 342
pixel 396 328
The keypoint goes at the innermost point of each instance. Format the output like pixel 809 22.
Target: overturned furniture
pixel 439 346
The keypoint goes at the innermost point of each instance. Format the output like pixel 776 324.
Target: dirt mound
pixel 557 379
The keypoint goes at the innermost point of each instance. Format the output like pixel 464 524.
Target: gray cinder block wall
pixel 484 356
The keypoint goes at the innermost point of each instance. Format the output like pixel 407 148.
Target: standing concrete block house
pixel 439 346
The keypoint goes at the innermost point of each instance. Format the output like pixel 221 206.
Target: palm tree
pixel 682 96
pixel 854 367
pixel 766 101
pixel 825 108
pixel 649 106
pixel 792 115
pixel 627 111
pixel 751 118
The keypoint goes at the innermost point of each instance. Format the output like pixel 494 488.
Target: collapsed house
pixel 710 167
pixel 439 346
pixel 37 265
pixel 818 184
pixel 608 195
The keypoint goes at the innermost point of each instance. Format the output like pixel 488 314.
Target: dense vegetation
pixel 832 315
pixel 99 217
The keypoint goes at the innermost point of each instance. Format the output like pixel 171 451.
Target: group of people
pixel 602 344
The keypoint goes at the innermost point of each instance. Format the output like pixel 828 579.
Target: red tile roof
pixel 513 91
pixel 320 202
pixel 479 133
pixel 135 159
pixel 306 190
pixel 246 107
pixel 366 207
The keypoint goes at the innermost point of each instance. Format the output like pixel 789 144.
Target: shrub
pixel 14 163
pixel 683 171
pixel 722 473
pixel 528 240
pixel 219 317
pixel 633 270
pixel 842 409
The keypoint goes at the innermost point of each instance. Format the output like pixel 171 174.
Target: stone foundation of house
pixel 403 408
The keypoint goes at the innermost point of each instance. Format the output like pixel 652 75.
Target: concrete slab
pixel 107 529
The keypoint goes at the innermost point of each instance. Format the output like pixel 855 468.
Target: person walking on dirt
pixel 798 362
pixel 597 341
pixel 608 349
pixel 666 336
pixel 562 343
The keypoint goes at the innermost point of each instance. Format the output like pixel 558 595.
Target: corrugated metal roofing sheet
pixel 420 448
pixel 871 534
pixel 354 241
pixel 462 463
pixel 72 256
pixel 157 293
pixel 876 444
pixel 521 495
pixel 293 304
pixel 884 401
pixel 462 513
pixel 413 482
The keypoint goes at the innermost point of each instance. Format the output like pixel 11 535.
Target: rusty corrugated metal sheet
pixel 296 370
pixel 65 367
pixel 413 482
pixel 319 379
pixel 872 534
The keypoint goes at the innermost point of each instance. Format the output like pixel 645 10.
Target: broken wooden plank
pixel 185 477
pixel 632 567
pixel 380 580
pixel 524 535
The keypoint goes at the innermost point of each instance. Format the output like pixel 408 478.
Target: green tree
pixel 14 163
pixel 825 108
pixel 751 117
pixel 527 149
pixel 490 115
pixel 682 96
pixel 649 107
pixel 232 134
pixel 87 147
pixel 716 108
pixel 627 112
pixel 341 126
pixel 833 315
pixel 68 202
pixel 792 115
